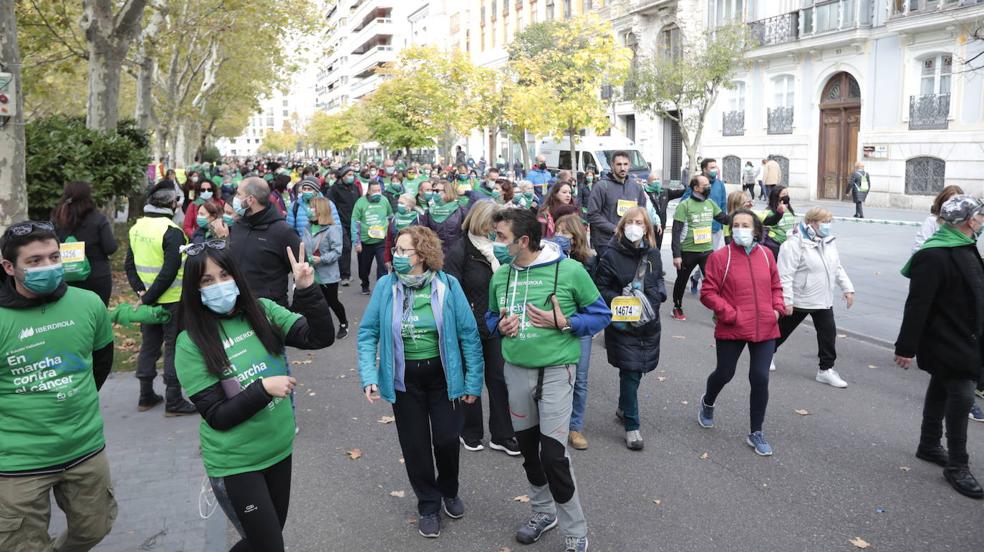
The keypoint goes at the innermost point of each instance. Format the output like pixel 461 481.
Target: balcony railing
pixel 930 112
pixel 775 30
pixel 781 120
pixel 733 124
pixel 837 15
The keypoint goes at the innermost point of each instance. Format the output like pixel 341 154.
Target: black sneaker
pixel 964 482
pixel 342 331
pixel 473 445
pixel 935 455
pixel 429 526
pixel 538 524
pixel 365 291
pixel 182 408
pixel 454 508
pixel 509 446
pixel 150 401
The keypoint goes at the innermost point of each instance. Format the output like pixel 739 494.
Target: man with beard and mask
pixel 943 328
pixel 692 241
pixel 153 268
pixel 344 193
pixel 611 198
pixel 540 177
pixel 61 340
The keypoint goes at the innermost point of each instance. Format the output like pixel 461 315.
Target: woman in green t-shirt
pixel 421 329
pixel 230 358
pixel 370 218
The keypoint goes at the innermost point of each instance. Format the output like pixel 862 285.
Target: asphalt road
pixel 843 471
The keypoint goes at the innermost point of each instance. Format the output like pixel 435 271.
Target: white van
pixel 593 151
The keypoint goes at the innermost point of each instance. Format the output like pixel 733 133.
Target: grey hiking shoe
pixel 535 527
pixel 429 526
pixel 454 508
pixel 576 544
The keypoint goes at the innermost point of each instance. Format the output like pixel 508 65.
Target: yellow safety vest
pixel 146 241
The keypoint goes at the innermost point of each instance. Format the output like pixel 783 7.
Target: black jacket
pixel 943 322
pixel 660 202
pixel 344 196
pixel 174 238
pixel 603 205
pixel 313 331
pixel 100 243
pixel 635 349
pixel 466 263
pixel 259 242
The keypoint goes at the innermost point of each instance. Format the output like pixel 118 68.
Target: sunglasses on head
pixel 28 226
pixel 197 248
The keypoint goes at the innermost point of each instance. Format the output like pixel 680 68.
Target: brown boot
pixel 577 440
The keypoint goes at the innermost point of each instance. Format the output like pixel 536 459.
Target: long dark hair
pixel 774 200
pixel 758 230
pixel 551 202
pixel 202 324
pixel 76 202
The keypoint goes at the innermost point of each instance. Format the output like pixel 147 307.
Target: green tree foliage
pixel 61 149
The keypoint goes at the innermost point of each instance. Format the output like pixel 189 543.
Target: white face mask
pixel 634 232
pixel 743 236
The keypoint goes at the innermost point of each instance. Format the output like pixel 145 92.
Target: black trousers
pixel 500 426
pixel 859 209
pixel 760 356
pixel 689 261
pixel 369 253
pixel 345 261
pixel 100 285
pixel 330 291
pixel 260 500
pixel 750 189
pixel 949 399
pixel 154 337
pixel 428 425
pixel 823 321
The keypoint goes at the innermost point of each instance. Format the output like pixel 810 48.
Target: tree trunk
pixel 105 65
pixel 108 36
pixel 524 150
pixel 145 93
pixel 13 185
pixel 573 145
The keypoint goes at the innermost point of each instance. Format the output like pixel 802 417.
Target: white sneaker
pixel 831 378
pixel 772 366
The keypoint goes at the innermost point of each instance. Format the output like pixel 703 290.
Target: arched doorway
pixel 840 120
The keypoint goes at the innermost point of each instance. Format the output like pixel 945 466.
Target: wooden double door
pixel 840 121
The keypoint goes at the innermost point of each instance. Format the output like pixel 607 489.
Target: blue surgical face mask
pixel 202 222
pixel 401 264
pixel 44 280
pixel 502 254
pixel 220 298
pixel 824 229
pixel 308 196
pixel 564 242
pixel 744 237
pixel 238 207
pixel 207 195
pixel 228 219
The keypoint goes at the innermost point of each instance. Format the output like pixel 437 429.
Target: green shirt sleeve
pixel 585 290
pixel 103 326
pixel 279 316
pixel 715 206
pixel 493 291
pixel 190 366
pixel 680 213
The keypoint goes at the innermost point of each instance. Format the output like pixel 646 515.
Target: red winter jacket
pixel 744 292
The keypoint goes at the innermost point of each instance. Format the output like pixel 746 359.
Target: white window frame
pixel 938 75
pixel 787 96
pixel 723 12
pixel 736 100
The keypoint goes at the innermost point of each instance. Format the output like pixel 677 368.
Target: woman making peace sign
pixel 230 358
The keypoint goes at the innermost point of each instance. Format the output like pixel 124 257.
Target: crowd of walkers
pixel 480 281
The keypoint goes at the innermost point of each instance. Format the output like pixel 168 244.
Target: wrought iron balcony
pixel 781 120
pixel 734 123
pixel 929 112
pixel 775 30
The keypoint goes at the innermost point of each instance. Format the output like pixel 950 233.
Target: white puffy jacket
pixel 809 266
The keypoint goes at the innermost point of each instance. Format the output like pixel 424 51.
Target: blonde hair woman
pixel 323 240
pixel 809 267
pixel 632 271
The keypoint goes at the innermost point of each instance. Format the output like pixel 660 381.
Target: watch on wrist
pixel 567 327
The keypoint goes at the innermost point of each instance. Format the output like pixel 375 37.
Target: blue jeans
pixel 628 397
pixel 581 386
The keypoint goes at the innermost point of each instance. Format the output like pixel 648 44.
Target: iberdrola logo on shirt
pixel 31 332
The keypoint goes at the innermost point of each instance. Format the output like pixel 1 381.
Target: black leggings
pixel 259 500
pixel 330 291
pixel 950 400
pixel 728 352
pixel 823 322
pixel 689 261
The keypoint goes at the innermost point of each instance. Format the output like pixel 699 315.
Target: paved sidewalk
pixel 157 473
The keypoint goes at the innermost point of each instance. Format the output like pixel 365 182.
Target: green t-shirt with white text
pixel 696 217
pixel 419 329
pixel 539 347
pixel 373 218
pixel 49 406
pixel 267 437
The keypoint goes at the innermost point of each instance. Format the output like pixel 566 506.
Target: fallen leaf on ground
pixel 705 456
pixel 402 461
pixel 860 543
pixel 657 502
pixel 522 498
pixel 872 366
pixel 802 412
pixel 660 378
pixel 295 362
pixel 679 337
pixel 841 335
pixel 354 454
pixel 504 549
pixel 905 468
pixel 311 394
pixel 306 361
pixel 684 402
pixel 398 494
pixel 386 420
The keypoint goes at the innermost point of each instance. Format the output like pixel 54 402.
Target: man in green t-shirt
pixel 541 303
pixel 370 219
pixel 57 350
pixel 692 240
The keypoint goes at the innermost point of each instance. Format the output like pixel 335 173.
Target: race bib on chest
pixel 377 232
pixel 73 252
pixel 702 235
pixel 624 205
pixel 626 309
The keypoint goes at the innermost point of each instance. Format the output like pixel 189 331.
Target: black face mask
pixel 785 200
pixel 543 166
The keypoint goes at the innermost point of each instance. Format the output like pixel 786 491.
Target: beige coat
pixel 772 175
